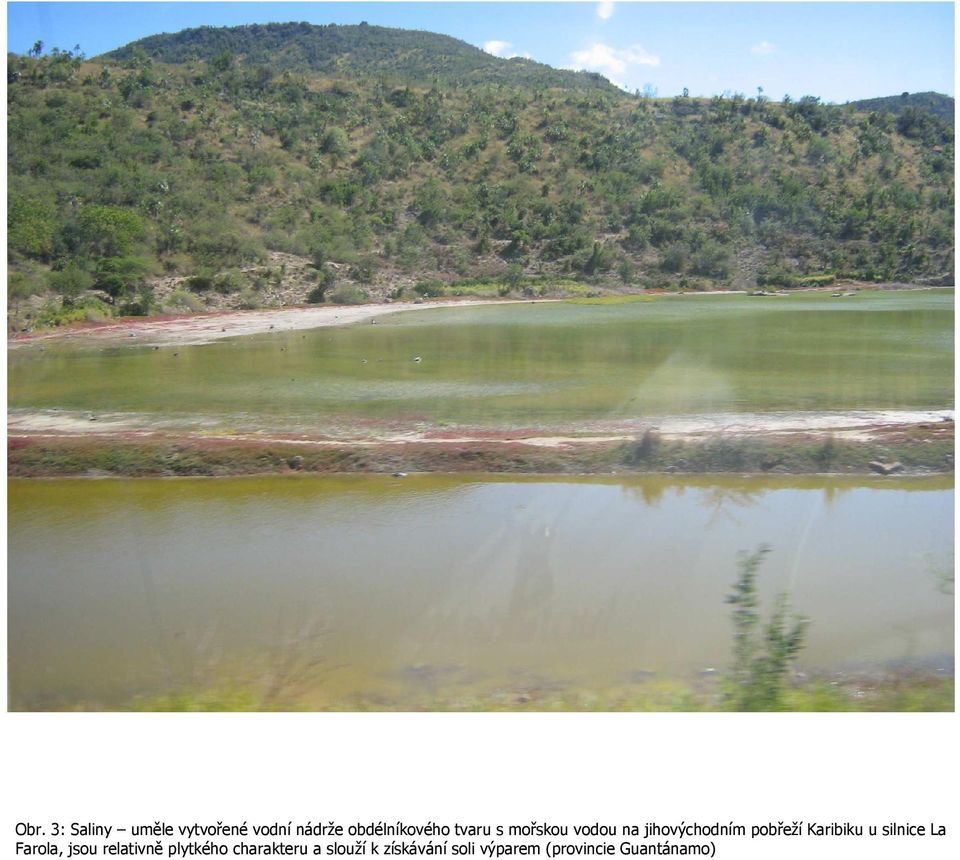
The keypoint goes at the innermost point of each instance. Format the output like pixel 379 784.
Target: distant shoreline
pixel 200 328
pixel 203 328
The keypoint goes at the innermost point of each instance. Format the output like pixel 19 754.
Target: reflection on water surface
pixel 374 589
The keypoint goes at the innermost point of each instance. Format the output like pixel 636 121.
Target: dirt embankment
pixel 901 448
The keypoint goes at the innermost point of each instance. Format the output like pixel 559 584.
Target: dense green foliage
pixel 233 162
pixel 939 105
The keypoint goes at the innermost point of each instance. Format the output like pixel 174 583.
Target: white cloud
pixel 503 49
pixel 612 61
pixel 605 10
pixel 496 47
pixel 762 49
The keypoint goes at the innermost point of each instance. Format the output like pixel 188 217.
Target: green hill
pixel 933 103
pixel 410 56
pixel 211 169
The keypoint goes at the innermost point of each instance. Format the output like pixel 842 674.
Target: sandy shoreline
pixel 206 328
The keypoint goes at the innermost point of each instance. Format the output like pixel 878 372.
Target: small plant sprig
pixel 762 655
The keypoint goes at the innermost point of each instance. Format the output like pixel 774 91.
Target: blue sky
pixel 838 51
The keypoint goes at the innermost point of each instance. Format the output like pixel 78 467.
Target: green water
pixel 391 592
pixel 527 365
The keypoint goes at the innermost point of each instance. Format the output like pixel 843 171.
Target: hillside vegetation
pixel 935 103
pixel 260 165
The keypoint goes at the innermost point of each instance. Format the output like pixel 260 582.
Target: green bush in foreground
pixel 762 656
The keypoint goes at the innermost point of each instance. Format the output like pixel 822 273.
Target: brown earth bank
pixel 894 449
